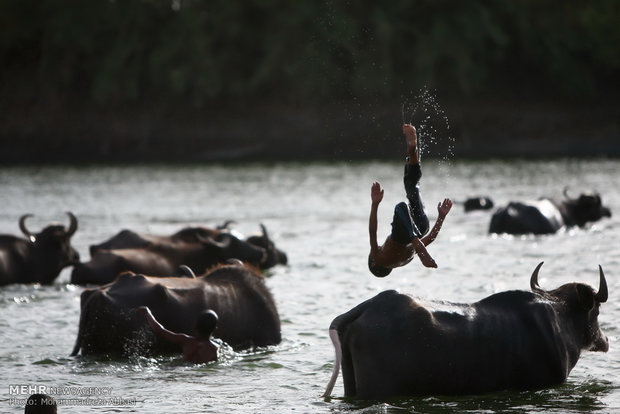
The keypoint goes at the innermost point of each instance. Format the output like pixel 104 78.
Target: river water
pixel 318 214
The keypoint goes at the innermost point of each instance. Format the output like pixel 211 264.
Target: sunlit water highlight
pixel 318 214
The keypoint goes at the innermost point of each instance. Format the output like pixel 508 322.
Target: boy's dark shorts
pixel 403 227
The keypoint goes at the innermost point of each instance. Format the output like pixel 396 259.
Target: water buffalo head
pixel 586 208
pixel 581 304
pixel 51 248
pixel 257 250
pixel 274 255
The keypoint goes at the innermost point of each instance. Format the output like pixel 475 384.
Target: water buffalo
pixel 109 325
pixel 40 257
pixel 197 247
pixel 547 215
pixel 477 203
pixel 392 345
pixel 128 239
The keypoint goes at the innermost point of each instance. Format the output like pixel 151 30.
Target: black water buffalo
pixel 392 345
pixel 546 215
pixel 477 203
pixel 247 313
pixel 40 257
pixel 197 247
pixel 128 239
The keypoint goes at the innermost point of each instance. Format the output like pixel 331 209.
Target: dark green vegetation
pixel 171 79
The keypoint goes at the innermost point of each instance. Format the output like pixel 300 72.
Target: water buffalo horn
pixel 264 229
pixel 224 226
pixel 187 271
pixel 22 226
pixel 534 279
pixel 565 192
pixel 73 225
pixel 601 295
pixel 234 262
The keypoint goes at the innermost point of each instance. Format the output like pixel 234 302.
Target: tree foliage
pixel 201 53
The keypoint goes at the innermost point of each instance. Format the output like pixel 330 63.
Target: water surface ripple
pixel 318 214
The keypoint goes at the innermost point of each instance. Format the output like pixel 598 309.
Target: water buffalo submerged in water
pixel 197 247
pixel 109 325
pixel 40 257
pixel 392 345
pixel 477 203
pixel 546 215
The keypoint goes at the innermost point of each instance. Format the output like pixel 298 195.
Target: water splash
pixel 426 114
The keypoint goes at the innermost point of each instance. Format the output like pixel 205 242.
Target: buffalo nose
pixel 283 258
pixel 601 344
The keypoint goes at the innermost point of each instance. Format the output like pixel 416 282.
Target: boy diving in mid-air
pixel 410 224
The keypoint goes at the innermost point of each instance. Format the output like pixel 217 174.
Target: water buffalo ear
pixel 586 296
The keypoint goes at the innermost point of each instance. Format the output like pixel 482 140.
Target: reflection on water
pixel 318 214
pixel 563 399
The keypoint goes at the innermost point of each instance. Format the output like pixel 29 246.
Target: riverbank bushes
pixel 124 62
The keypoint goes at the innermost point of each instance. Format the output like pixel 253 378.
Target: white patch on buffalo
pixel 549 210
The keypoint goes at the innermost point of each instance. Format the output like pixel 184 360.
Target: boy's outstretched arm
pixel 423 254
pixel 177 338
pixel 376 195
pixel 443 210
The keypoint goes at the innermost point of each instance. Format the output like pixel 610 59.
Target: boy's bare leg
pixel 411 136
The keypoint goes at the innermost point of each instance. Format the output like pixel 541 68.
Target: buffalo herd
pixel 390 345
pixel 156 271
pixel 548 215
pixel 199 248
